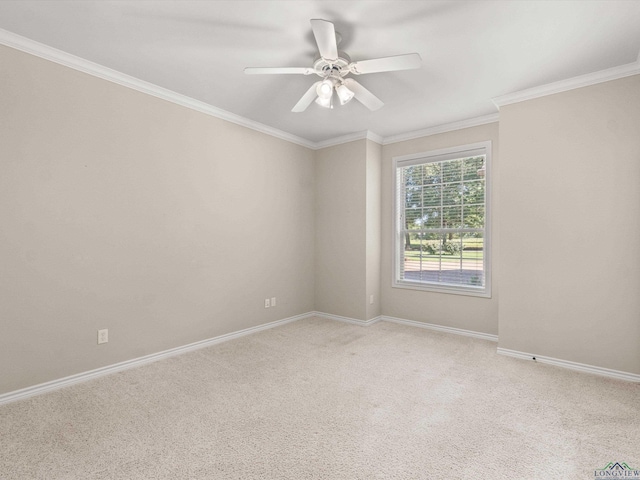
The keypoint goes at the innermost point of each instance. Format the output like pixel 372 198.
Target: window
pixel 441 234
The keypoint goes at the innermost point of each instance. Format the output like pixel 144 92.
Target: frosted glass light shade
pixel 344 94
pixel 324 102
pixel 325 89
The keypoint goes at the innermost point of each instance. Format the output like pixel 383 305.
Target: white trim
pixel 411 323
pixel 614 73
pixel 68 60
pixel 580 367
pixel 137 362
pixel 353 321
pixel 441 328
pixel 443 154
pixel 444 289
pixel 351 137
pixel 374 137
pixel 41 50
pixel 60 57
pixel 396 162
pixel 447 127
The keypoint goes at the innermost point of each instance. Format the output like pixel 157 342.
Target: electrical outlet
pixel 371 299
pixel 103 336
pixel 273 301
pixel 267 303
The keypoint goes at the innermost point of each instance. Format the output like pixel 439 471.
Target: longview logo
pixel 617 470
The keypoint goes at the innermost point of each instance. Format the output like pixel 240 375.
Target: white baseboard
pixel 441 328
pixel 353 321
pixel 136 362
pixel 580 367
pixel 411 323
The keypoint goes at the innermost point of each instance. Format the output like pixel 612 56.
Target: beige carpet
pixel 318 399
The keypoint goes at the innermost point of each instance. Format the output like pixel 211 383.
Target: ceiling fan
pixel 333 66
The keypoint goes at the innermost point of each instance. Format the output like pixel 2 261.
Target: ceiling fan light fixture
pixel 325 102
pixel 325 89
pixel 344 94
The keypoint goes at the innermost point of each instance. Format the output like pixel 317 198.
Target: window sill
pixel 448 289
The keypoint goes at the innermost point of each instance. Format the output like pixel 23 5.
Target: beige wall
pixel 458 311
pixel 126 212
pixel 373 212
pixel 341 230
pixel 348 229
pixel 168 226
pixel 570 206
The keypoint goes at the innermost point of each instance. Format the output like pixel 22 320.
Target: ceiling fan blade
pixel 325 34
pixel 386 64
pixel 278 70
pixel 363 95
pixel 306 99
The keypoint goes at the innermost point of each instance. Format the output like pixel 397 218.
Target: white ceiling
pixel 472 51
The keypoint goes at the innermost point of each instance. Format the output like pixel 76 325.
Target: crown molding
pixel 447 127
pixel 374 137
pixel 586 80
pixel 351 137
pixel 60 57
pixel 46 52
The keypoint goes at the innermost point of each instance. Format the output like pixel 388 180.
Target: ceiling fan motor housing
pixel 333 68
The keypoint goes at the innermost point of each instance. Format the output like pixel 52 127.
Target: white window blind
pixel 441 235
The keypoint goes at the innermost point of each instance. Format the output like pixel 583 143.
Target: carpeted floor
pixel 318 399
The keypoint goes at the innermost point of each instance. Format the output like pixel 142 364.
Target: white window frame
pixel 398 242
